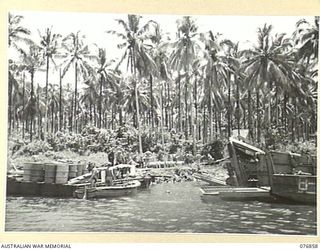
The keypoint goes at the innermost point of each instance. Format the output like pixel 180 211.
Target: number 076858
pixel 308 246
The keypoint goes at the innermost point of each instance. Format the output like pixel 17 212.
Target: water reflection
pixel 164 208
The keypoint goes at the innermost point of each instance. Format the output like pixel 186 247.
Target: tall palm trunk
pixel 169 107
pixel 205 129
pixel 75 97
pixel 60 102
pixel 32 103
pixel 10 101
pixel 47 108
pixel 39 114
pixel 151 102
pixel 210 112
pixel 120 116
pixel 244 120
pixel 250 116
pixel 196 105
pixel 179 104
pixel 284 112
pixel 65 120
pixel 186 106
pixel 161 122
pixel 238 106
pixel 112 117
pixel 192 124
pixel 161 106
pixel 71 115
pixel 313 120
pixel 166 100
pixel 56 123
pixel 134 71
pixel 229 106
pixel 100 102
pixel 220 123
pixel 216 123
pixel 294 118
pixel 138 117
pixel 94 114
pixel 23 96
pixel 52 113
pixel 276 106
pixel 104 120
pixel 269 106
pixel 90 111
pixel 258 116
pixel 34 126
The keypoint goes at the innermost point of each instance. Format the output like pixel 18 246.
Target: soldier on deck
pixel 94 173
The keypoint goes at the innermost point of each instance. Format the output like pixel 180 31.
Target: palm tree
pixel 13 87
pixel 32 61
pixel 24 90
pixel 68 94
pixel 107 75
pixel 232 59
pixel 198 79
pixel 307 38
pixel 268 65
pixel 216 74
pixel 139 60
pixel 234 75
pixel 15 104
pixel 135 92
pixel 77 54
pixel 53 103
pixel 16 32
pixel 185 50
pixel 159 54
pixel 49 45
pixel 90 95
pixel 61 101
pixel 115 99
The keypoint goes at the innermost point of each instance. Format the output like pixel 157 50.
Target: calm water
pixel 164 208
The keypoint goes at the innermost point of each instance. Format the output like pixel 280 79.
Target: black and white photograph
pixel 161 123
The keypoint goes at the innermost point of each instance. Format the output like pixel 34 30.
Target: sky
pixel 94 26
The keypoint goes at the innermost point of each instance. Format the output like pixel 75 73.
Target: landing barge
pixel 57 179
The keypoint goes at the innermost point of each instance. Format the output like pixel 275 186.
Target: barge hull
pixel 297 188
pixel 20 188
